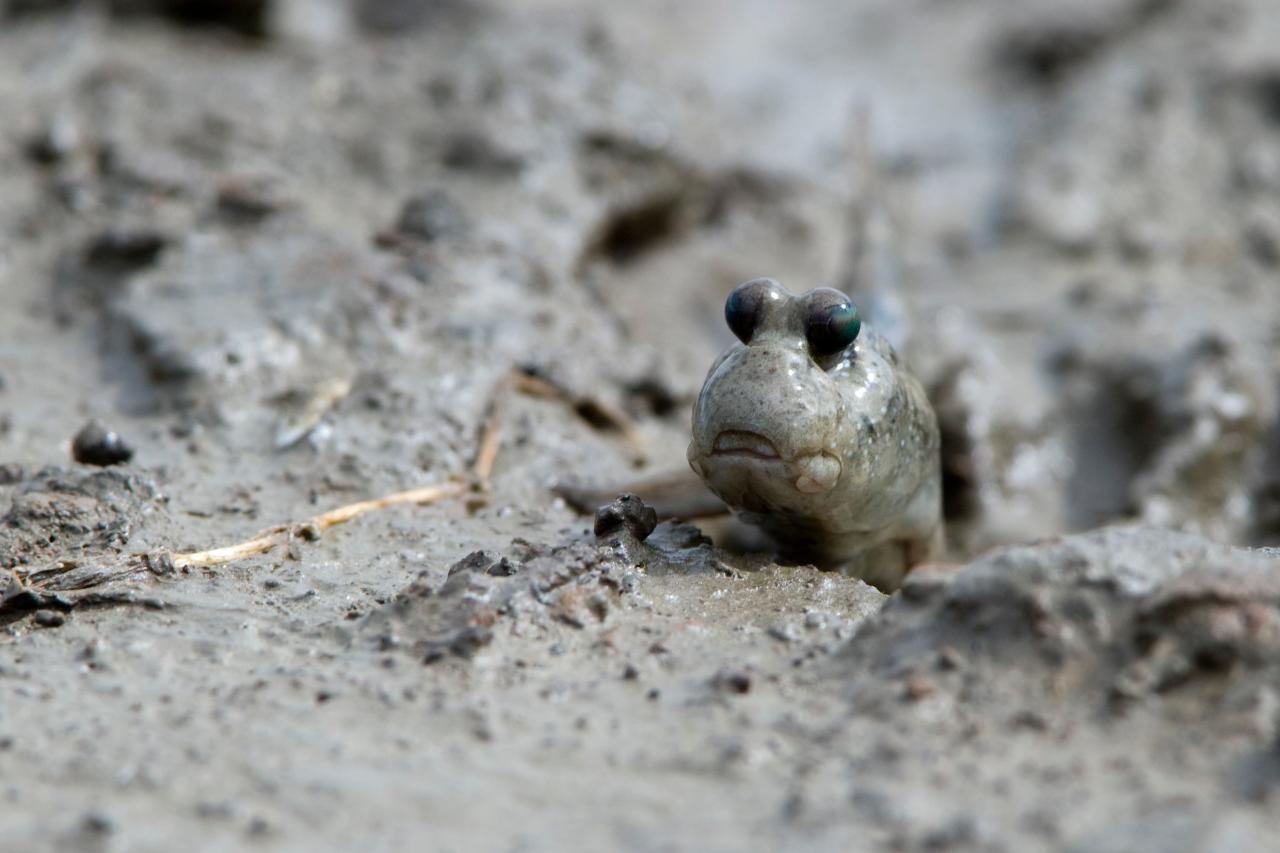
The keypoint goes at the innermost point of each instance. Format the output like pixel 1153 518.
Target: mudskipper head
pixel 770 423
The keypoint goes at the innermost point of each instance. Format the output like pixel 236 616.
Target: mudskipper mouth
pixel 738 443
pixel 815 472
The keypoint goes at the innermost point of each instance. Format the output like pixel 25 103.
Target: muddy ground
pixel 287 251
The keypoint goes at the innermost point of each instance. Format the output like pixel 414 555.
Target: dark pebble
pixel 476 153
pixel 125 249
pixel 49 618
pixel 97 445
pixel 626 512
pixel 97 823
pixel 431 215
pixel 733 681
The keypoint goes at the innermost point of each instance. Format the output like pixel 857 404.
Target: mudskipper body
pixel 813 430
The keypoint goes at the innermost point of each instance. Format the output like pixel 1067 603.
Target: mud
pixel 286 252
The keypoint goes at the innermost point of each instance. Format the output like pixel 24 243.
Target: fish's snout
pixel 766 418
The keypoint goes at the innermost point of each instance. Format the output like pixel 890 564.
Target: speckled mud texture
pixel 263 259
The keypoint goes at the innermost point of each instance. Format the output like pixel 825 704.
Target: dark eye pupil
pixel 833 328
pixel 741 312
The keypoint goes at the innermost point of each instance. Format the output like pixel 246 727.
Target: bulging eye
pixel 745 307
pixel 831 321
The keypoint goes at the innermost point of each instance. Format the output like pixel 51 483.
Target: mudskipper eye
pixel 745 306
pixel 831 321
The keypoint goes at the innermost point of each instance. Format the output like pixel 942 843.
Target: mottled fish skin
pixel 836 458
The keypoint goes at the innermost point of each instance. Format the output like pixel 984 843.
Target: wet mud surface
pixel 276 258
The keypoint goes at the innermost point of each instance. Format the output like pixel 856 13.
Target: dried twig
pixel 275 536
pixel 490 439
pixel 488 443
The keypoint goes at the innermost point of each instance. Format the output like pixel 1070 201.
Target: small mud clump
pixel 66 513
pixel 626 512
pixel 1128 612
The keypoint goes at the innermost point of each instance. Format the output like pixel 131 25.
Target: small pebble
pixel 733 681
pixel 476 153
pixel 431 215
pixel 97 445
pixel 125 249
pixel 49 618
pixel 97 823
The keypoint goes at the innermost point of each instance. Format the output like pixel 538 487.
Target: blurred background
pixel 210 206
